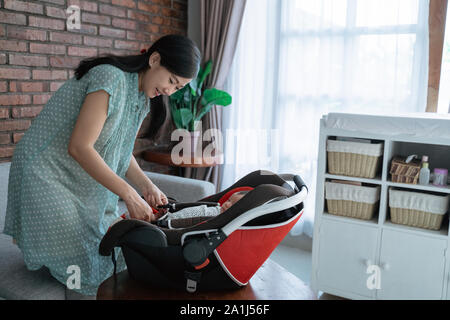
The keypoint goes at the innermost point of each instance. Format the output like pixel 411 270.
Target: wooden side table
pixel 194 162
pixel 270 282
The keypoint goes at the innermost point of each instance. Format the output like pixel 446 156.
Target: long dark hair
pixel 179 55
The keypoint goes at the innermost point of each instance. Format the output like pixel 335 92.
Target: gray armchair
pixel 17 282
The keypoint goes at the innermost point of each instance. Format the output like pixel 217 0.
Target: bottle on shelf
pixel 424 175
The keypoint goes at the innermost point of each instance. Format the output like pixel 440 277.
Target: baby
pixel 204 211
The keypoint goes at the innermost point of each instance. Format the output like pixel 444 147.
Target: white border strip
pixel 226 270
pixel 276 225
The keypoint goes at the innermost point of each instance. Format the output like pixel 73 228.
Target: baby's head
pixel 235 197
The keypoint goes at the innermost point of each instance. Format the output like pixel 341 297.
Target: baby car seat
pixel 221 252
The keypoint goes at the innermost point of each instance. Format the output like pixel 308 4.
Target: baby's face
pixel 235 197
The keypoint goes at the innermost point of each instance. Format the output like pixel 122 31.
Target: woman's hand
pixel 137 207
pixel 153 195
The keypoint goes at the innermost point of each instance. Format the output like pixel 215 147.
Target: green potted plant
pixel 189 104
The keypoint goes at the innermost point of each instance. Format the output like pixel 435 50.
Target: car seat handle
pixel 299 183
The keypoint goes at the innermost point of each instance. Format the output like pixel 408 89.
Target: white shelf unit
pixel 410 262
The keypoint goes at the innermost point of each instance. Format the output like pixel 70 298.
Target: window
pixel 299 59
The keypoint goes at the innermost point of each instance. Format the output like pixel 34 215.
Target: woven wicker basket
pixel 417 209
pixel 352 209
pixel 352 201
pixel 416 218
pixel 353 158
pixel 403 172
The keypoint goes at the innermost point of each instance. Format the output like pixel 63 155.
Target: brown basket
pixel 416 218
pixel 418 209
pixel 403 172
pixel 352 164
pixel 352 209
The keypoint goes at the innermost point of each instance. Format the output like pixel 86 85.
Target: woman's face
pixel 158 80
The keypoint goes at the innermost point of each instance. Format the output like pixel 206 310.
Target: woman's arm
pixel 87 129
pixel 136 176
pixel 148 189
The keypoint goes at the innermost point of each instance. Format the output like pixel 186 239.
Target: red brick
pixel 125 3
pixel 26 34
pixel 46 23
pixel 27 60
pixel 2 31
pixel 106 51
pixel 110 32
pixel 82 51
pixel 11 45
pixel 54 86
pixel 113 11
pixel 161 20
pixel 84 5
pixel 17 137
pixel 59 2
pixel 151 8
pixel 23 6
pixel 16 86
pixel 47 48
pixel 138 36
pixel 41 98
pixel 6 152
pixel 119 44
pixel 178 24
pixel 13 18
pixel 173 13
pixel 95 18
pixel 164 3
pixel 97 41
pixel 4 113
pixel 64 62
pixel 3 86
pixel 124 23
pixel 65 37
pixel 138 16
pixel 14 99
pixel 13 125
pixel 26 112
pixel 14 73
pixel 56 12
pixel 85 29
pixel 168 30
pixel 49 74
pixel 2 58
pixel 152 28
pixel 5 138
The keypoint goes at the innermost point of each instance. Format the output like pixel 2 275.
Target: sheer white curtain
pixel 299 59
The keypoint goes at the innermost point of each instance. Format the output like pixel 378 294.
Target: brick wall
pixel 38 53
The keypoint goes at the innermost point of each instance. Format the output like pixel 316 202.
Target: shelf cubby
pixel 414 261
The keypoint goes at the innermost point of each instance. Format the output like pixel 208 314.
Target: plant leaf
pixel 176 116
pixel 193 87
pixel 203 74
pixel 186 116
pixel 216 97
pixel 204 111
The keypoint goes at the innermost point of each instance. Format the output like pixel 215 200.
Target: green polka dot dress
pixel 56 211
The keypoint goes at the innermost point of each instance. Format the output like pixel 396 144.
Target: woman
pixel 67 171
